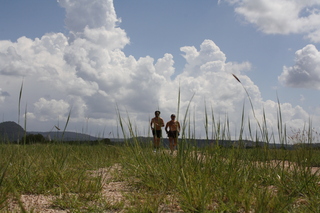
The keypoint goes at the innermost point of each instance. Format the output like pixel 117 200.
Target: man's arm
pixel 151 122
pixel 166 128
pixel 162 123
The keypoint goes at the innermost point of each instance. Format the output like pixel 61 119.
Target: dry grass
pixel 114 189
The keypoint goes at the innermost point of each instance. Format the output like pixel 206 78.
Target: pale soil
pixel 291 166
pixel 112 191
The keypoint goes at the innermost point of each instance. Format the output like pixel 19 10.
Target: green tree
pixel 34 138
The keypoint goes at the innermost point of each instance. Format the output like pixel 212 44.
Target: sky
pixel 93 60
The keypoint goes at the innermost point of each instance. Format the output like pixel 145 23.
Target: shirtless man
pixel 173 132
pixel 156 124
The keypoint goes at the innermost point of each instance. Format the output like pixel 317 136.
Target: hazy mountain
pixel 10 131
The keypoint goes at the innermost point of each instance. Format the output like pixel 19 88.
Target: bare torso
pixel 157 123
pixel 173 125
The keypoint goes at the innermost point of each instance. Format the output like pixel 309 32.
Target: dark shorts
pixel 157 133
pixel 173 134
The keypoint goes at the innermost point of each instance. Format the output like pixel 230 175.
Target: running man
pixel 156 124
pixel 173 132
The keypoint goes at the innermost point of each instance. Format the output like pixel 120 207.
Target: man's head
pixel 157 113
pixel 173 116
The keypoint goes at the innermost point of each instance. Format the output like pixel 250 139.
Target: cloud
pixel 92 14
pixel 94 21
pixel 207 59
pixel 3 95
pixel 306 71
pixel 281 16
pixel 48 109
pixel 88 72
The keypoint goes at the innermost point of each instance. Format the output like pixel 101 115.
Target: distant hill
pixel 10 131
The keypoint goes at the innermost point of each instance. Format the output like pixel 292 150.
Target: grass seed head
pixel 236 78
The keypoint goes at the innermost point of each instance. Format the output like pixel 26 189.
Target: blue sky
pixel 135 54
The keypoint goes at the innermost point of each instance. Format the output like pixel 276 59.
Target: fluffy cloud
pixel 93 14
pixel 47 109
pixel 282 16
pixel 3 95
pixel 88 73
pixel 306 71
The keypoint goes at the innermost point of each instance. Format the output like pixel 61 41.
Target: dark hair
pixel 157 112
pixel 173 115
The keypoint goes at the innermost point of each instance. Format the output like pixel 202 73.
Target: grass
pixel 211 179
pixel 218 179
pixel 55 169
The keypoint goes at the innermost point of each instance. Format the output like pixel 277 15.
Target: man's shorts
pixel 173 134
pixel 157 133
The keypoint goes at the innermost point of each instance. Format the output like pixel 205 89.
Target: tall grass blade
pixel 206 124
pixel 179 99
pixel 215 127
pixel 254 114
pixel 185 117
pixel 194 124
pixel 281 128
pixel 120 122
pixel 67 122
pixel 19 106
pixel 250 130
pixel 264 127
pixel 130 126
pixel 19 103
pixel 25 125
pixel 242 124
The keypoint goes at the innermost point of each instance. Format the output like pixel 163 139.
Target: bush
pixel 33 138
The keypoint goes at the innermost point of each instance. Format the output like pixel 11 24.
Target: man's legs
pixel 156 143
pixel 175 143
pixel 171 144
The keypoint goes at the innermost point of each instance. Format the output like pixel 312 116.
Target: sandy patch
pixel 111 191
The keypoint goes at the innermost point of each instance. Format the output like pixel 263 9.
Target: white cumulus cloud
pixel 282 16
pixel 305 73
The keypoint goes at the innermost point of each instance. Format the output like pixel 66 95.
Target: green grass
pixel 55 169
pixel 222 180
pixel 213 179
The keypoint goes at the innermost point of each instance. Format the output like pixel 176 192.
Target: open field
pixel 102 178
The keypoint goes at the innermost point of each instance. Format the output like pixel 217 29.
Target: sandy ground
pixel 112 191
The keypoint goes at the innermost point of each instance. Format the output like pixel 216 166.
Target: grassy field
pixel 73 178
